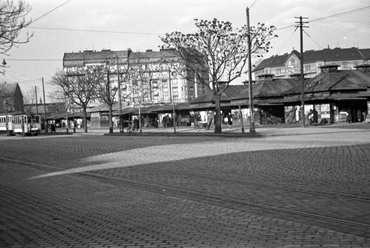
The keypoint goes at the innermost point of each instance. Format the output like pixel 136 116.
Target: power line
pixel 38 18
pixel 325 17
pixel 35 60
pixel 95 31
pixel 287 41
pixel 253 4
pixel 312 39
pixel 342 13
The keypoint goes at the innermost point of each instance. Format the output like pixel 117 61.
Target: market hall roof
pixel 338 80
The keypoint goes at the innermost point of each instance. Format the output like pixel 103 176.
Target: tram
pixel 6 124
pixel 20 124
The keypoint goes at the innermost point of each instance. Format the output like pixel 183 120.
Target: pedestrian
pixel 359 116
pixel 315 116
pixel 310 116
pixel 229 120
pixel 136 124
pixel 52 128
pixel 349 116
pixel 209 119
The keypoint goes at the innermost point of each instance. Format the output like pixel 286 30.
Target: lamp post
pixel 173 104
pixel 119 98
pixel 67 124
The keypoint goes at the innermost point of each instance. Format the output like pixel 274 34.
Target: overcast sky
pixel 136 24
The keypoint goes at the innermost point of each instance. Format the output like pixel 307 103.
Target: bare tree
pixel 107 90
pixel 219 50
pixel 80 87
pixel 12 21
pixel 141 75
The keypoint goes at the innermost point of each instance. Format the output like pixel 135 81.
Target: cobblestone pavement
pixel 287 188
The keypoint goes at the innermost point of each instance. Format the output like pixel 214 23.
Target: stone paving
pixel 185 191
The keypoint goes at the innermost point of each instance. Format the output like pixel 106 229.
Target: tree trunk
pixel 218 127
pixel 110 119
pixel 85 119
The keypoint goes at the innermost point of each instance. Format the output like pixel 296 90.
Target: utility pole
pixel 45 120
pixel 37 107
pixel 250 95
pixel 301 24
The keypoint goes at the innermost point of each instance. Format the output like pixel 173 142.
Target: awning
pixel 344 97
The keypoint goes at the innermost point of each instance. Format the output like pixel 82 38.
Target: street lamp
pixel 173 104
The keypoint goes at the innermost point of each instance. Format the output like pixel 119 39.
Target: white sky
pixel 140 22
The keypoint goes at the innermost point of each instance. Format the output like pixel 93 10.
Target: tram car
pixel 6 124
pixel 20 124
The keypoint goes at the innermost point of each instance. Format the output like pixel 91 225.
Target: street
pixel 299 187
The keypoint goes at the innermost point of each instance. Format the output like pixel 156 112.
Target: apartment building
pixel 147 78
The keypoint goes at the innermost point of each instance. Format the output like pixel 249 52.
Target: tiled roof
pixel 336 54
pixel 336 81
pixel 311 56
pixel 365 53
pixel 230 92
pixel 273 87
pixel 274 61
pixel 7 89
pixel 80 59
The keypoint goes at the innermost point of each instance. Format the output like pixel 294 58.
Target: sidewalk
pixel 235 130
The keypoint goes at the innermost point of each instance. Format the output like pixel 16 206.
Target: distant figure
pixel 315 116
pixel 349 116
pixel 359 116
pixel 136 124
pixel 209 119
pixel 52 128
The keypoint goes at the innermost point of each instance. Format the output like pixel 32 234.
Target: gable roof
pixel 335 81
pixel 273 87
pixel 336 54
pixel 311 56
pixel 8 89
pixel 230 92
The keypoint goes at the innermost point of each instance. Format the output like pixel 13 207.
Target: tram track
pixel 222 200
pixel 208 177
pixel 229 202
pixel 268 186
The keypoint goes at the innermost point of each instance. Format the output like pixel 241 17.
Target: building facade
pixel 282 66
pixel 11 98
pixel 146 78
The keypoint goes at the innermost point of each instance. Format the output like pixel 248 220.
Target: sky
pixel 76 25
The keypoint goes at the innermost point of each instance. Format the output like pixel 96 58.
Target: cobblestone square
pixel 285 188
